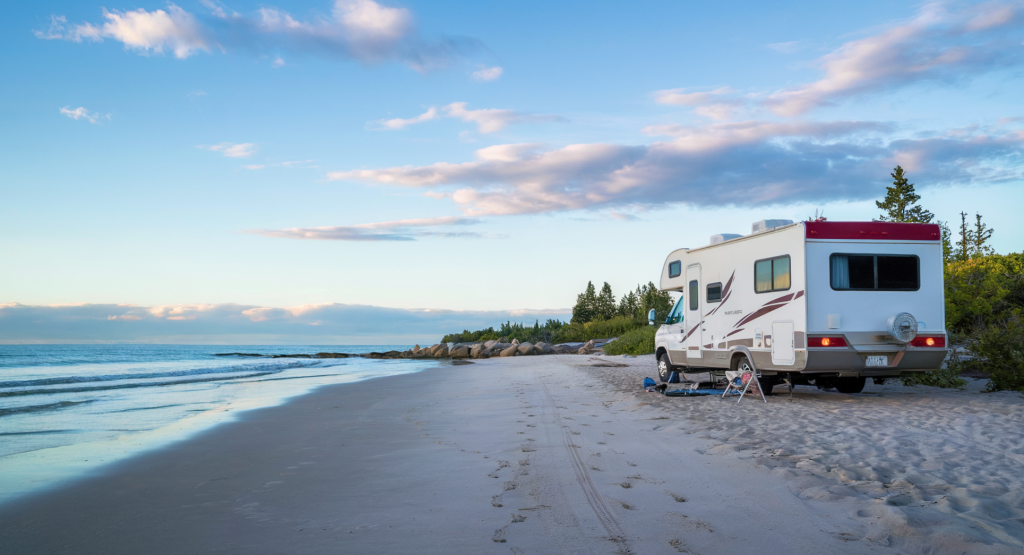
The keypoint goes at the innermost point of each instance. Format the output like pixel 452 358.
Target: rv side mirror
pixel 650 318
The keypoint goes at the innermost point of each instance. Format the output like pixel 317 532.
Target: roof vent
pixel 765 225
pixel 723 237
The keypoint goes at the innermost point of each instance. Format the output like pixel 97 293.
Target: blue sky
pixel 469 157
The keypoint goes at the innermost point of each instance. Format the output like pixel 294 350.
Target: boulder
pixel 441 351
pixel 515 342
pixel 543 348
pixel 511 351
pixel 491 343
pixel 525 348
pixel 587 348
pixel 476 350
pixel 460 352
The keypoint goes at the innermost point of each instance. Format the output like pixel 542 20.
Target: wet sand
pixel 556 454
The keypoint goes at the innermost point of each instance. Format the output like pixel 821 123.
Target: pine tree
pixel 629 305
pixel 605 308
pixel 586 305
pixel 963 246
pixel 660 301
pixel 899 203
pixel 947 244
pixel 981 234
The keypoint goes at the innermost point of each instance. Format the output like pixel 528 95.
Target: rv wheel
pixel 664 367
pixel 850 385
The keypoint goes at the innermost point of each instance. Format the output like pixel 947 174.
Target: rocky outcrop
pixel 511 351
pixel 587 348
pixel 460 352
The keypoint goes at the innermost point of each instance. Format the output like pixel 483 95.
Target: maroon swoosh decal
pixel 730 334
pixel 691 331
pixel 759 312
pixel 799 294
pixel 728 284
pixel 709 346
pixel 782 299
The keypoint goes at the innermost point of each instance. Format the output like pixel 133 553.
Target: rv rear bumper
pixel 850 360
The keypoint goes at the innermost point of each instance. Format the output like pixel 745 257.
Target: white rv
pixel 817 302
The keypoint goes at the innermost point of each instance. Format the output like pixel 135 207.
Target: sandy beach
pixel 559 454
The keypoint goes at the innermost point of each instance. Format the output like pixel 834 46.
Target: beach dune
pixel 514 455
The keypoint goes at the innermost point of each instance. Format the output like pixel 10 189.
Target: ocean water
pixel 67 410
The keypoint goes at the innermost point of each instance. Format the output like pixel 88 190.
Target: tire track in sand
pixel 594 499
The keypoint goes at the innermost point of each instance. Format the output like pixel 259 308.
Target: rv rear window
pixel 715 293
pixel 874 272
pixel 771 275
pixel 674 269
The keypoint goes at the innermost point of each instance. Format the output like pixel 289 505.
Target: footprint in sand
pixel 496 500
pixel 678 498
pixel 499 534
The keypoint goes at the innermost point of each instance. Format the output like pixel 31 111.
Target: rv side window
pixel 771 275
pixel 874 272
pixel 694 296
pixel 715 293
pixel 674 269
pixel 676 315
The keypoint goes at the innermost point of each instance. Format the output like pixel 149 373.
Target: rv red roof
pixel 876 231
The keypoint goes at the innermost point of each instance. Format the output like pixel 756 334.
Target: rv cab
pixel 823 303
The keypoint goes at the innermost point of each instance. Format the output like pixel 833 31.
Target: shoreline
pixel 28 469
pixel 549 454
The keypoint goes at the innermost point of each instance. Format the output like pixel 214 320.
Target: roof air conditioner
pixel 765 225
pixel 723 237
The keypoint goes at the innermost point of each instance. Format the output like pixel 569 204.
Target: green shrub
pixel 639 341
pixel 999 349
pixel 597 329
pixel 983 290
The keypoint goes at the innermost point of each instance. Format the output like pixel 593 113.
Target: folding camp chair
pixel 731 377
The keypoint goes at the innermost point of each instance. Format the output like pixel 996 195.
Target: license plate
pixel 878 361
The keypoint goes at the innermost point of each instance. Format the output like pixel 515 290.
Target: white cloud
pixel 360 29
pixel 487 120
pixel 738 163
pixel 82 113
pixel 488 73
pixel 490 120
pixel 937 44
pixel 174 29
pixel 195 95
pixel 399 123
pixel 278 62
pixel 232 150
pixel 718 104
pixel 399 230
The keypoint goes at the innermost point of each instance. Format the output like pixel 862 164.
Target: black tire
pixel 665 367
pixel 850 385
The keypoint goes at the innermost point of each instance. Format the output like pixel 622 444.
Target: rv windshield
pixel 676 316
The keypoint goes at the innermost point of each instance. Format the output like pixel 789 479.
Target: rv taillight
pixel 929 341
pixel 826 342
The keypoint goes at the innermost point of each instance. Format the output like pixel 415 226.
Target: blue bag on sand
pixel 673 377
pixel 648 382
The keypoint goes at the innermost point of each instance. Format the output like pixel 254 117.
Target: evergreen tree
pixel 586 305
pixel 899 203
pixel 963 246
pixel 629 305
pixel 981 234
pixel 660 301
pixel 947 244
pixel 605 308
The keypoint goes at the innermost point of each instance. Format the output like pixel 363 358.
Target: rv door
pixel 694 323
